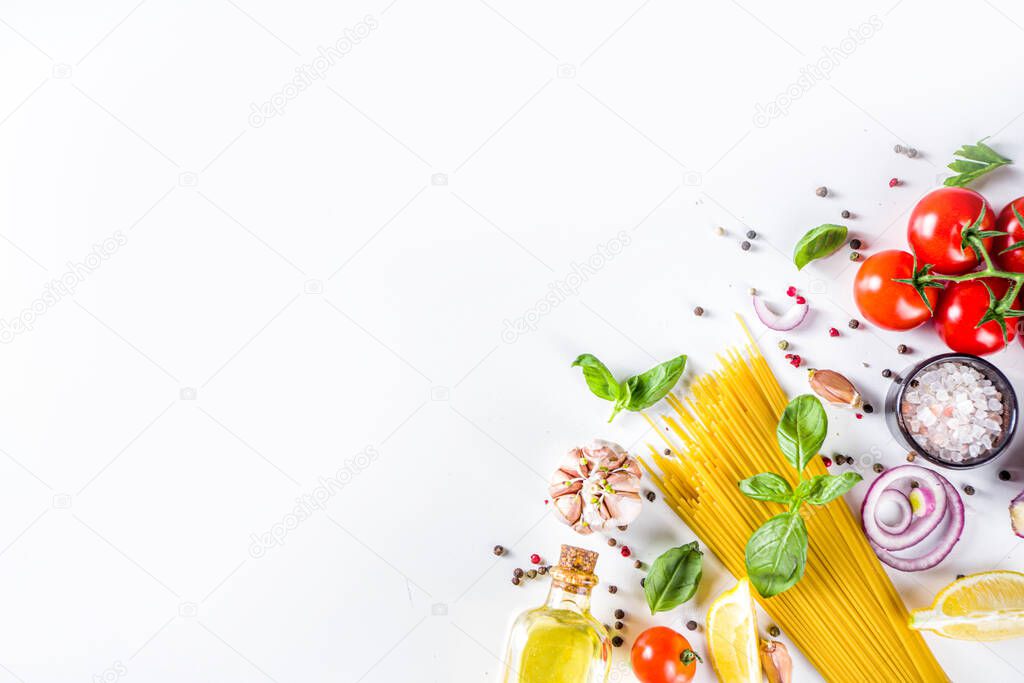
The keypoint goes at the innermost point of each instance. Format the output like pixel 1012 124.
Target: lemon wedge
pixel 732 636
pixel 986 606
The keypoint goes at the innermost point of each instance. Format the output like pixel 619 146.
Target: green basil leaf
pixel 599 378
pixel 673 578
pixel 650 387
pixel 623 400
pixel 776 554
pixel 818 243
pixel 824 488
pixel 802 429
pixel 767 486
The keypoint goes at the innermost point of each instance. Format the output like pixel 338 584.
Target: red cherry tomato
pixel 936 226
pixel 963 304
pixel 660 655
pixel 891 305
pixel 1007 222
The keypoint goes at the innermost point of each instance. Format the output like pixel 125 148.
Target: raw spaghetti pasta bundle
pixel 844 615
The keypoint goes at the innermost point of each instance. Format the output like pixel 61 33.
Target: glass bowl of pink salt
pixel 955 410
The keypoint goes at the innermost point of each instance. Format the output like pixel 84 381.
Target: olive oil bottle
pixel 560 642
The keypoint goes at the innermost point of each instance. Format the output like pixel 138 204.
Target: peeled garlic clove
pixel 568 508
pixel 834 388
pixel 777 663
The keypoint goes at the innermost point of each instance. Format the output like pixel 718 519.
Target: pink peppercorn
pixel 833 332
pixel 535 558
pixel 791 291
pixel 625 551
pixel 801 300
pixel 859 416
pixel 827 461
pixel 893 182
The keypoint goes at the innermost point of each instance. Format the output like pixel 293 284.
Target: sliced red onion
pixel 1017 515
pixel 900 501
pixel 920 527
pixel 787 321
pixel 946 542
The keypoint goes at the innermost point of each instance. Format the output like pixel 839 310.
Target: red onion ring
pixel 939 553
pixel 901 502
pixel 920 528
pixel 787 321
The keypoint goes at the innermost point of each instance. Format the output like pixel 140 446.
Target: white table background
pixel 327 289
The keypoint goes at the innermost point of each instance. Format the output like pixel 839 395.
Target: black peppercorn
pixel 914 484
pixel 1004 475
pixel 855 243
pixel 498 550
pixel 619 614
pixel 853 324
pixel 542 570
pixel 517 572
pixel 821 191
pixel 643 581
pixel 613 589
pixel 877 467
pixel 887 373
pixel 531 574
pixel 623 527
pixel 638 564
pixel 855 256
pixel 698 311
pixel 751 234
pixel 774 631
pixel 668 451
pixel 868 408
pixel 902 348
pixel 745 245
pixel 691 625
pixel 612 541
pixel 845 214
pixel 617 641
pixel 651 496
pixel 619 626
pixel 914 383
pixel 516 580
pixel 969 490
pixel 959 576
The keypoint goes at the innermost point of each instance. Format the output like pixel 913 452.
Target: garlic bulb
pixel 596 487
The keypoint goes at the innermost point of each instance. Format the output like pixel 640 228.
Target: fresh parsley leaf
pixel 818 243
pixel 802 429
pixel 673 578
pixel 977 160
pixel 767 486
pixel 648 388
pixel 776 554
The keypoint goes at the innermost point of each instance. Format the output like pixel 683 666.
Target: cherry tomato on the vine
pixel 961 309
pixel 660 655
pixel 1007 222
pixel 888 304
pixel 936 226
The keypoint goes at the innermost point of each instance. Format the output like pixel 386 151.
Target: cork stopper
pixel 577 559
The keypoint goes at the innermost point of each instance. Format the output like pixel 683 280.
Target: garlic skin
pixel 596 487
pixel 777 664
pixel 834 388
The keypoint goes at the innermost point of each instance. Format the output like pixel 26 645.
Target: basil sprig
pixel 673 578
pixel 636 393
pixel 817 243
pixel 776 553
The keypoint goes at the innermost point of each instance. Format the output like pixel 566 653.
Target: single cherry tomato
pixel 888 304
pixel 962 307
pixel 660 655
pixel 936 226
pixel 1007 222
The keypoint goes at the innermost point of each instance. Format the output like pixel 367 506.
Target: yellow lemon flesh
pixel 732 636
pixel 986 606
